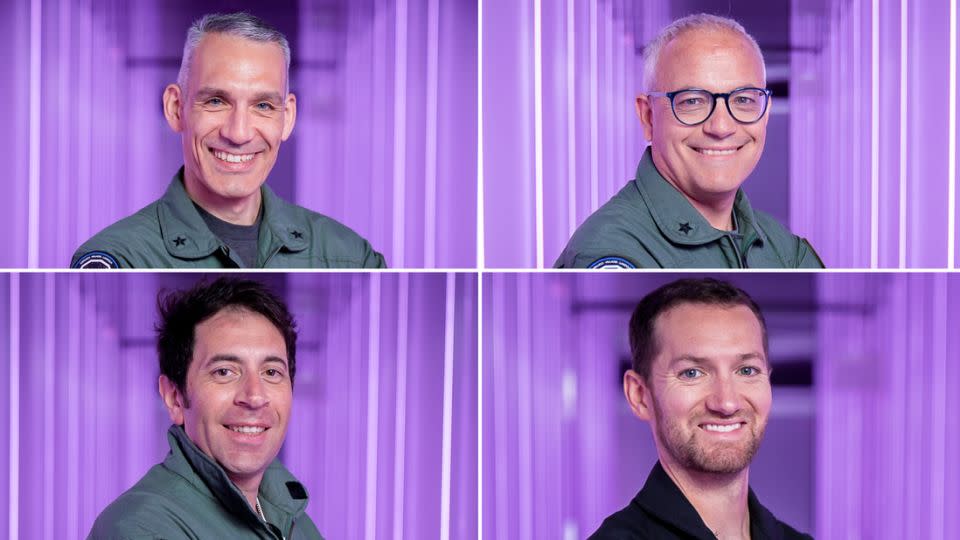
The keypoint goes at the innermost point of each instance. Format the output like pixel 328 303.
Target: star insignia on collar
pixel 297 234
pixel 179 241
pixel 685 227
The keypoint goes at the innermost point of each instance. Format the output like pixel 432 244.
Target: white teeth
pixel 709 152
pixel 721 429
pixel 250 430
pixel 232 158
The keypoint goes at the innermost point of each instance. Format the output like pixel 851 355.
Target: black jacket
pixel 660 510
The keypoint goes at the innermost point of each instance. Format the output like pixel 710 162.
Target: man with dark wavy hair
pixel 227 353
pixel 701 378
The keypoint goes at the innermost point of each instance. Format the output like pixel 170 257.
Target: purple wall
pixel 862 452
pixel 385 138
pixel 384 431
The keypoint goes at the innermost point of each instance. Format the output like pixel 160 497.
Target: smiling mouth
pixel 231 158
pixel 717 151
pixel 722 428
pixel 248 430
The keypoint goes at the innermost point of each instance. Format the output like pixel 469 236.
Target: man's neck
pixel 718 215
pixel 250 487
pixel 719 499
pixel 238 211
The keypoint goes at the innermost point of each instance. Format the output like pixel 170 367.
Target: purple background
pixel 385 400
pixel 822 173
pixel 385 139
pixel 861 441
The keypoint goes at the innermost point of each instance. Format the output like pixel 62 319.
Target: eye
pixel 690 373
pixel 748 371
pixel 265 106
pixel 273 373
pixel 692 102
pixel 222 372
pixel 215 101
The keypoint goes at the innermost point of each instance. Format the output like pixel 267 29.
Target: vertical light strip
pixel 874 133
pixel 952 142
pixel 430 190
pixel 13 463
pixel 538 124
pixel 525 434
pixel 479 405
pixel 938 420
pixel 594 112
pixel 480 236
pixel 373 407
pixel 33 194
pixel 902 247
pixel 399 132
pixel 501 413
pixel 49 401
pixel 446 451
pixel 400 406
pixel 571 125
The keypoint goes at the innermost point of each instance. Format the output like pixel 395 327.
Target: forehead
pixel 706 331
pixel 234 62
pixel 718 60
pixel 239 332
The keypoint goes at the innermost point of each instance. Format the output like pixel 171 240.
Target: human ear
pixel 172 398
pixel 638 395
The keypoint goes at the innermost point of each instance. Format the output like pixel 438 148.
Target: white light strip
pixel 399 132
pixel 49 390
pixel 480 515
pixel 373 407
pixel 13 448
pixel 571 124
pixel 400 406
pixel 952 142
pixel 33 193
pixel 902 226
pixel 594 113
pixel 538 125
pixel 480 236
pixel 874 133
pixel 430 191
pixel 446 451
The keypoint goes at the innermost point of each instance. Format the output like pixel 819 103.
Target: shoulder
pixel 139 513
pixel 121 244
pixel 615 236
pixel 796 252
pixel 336 244
pixel 628 523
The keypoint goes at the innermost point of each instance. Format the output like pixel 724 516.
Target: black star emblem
pixel 179 241
pixel 297 234
pixel 685 227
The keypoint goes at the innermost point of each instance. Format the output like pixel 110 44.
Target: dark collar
pixel 661 498
pixel 677 219
pixel 278 486
pixel 186 235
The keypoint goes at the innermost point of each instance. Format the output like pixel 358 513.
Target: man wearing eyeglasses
pixel 705 113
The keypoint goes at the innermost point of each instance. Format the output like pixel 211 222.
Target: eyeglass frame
pixel 713 107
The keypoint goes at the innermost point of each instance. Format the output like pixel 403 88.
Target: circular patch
pixel 611 263
pixel 95 260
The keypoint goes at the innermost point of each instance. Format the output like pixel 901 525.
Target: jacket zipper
pixel 736 250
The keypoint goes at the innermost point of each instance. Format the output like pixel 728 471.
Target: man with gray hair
pixel 233 107
pixel 705 114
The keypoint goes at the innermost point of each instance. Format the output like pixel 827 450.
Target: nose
pixel 724 399
pixel 720 124
pixel 238 128
pixel 252 393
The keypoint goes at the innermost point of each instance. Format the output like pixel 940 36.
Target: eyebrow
pixel 701 360
pixel 210 91
pixel 234 359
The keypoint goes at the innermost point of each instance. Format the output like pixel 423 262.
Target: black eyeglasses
pixel 694 106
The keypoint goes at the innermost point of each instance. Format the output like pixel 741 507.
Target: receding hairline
pixel 694 24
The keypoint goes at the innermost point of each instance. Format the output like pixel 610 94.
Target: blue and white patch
pixel 611 263
pixel 96 260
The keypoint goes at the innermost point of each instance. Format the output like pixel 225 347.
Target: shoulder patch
pixel 96 260
pixel 611 263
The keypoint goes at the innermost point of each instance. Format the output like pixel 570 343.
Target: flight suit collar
pixel 663 499
pixel 677 219
pixel 186 235
pixel 278 488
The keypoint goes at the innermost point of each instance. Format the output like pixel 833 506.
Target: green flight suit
pixel 170 233
pixel 189 496
pixel 650 224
